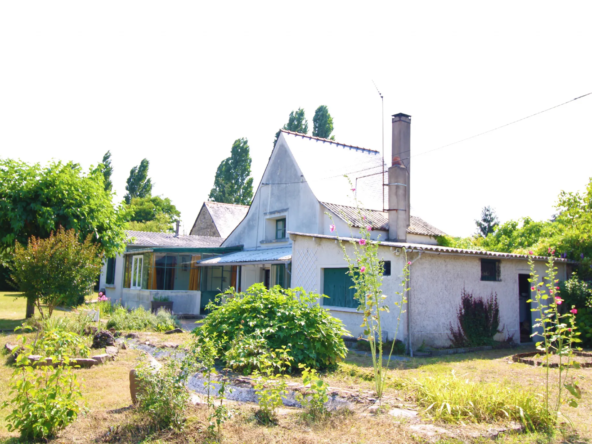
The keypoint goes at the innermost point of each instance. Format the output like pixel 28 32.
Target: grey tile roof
pixel 226 217
pixel 378 220
pixel 148 239
pixel 438 249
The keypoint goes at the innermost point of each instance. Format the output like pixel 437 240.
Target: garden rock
pixel 402 413
pixel 176 330
pixel 135 382
pixel 84 362
pixel 102 358
pixel 103 339
pixel 132 336
pixel 111 351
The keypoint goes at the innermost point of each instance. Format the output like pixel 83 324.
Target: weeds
pixel 315 398
pixel 456 400
pixel 140 319
pixel 271 387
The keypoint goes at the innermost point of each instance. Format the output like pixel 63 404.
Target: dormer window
pixel 280 228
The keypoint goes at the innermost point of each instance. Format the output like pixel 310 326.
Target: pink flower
pixel 364 217
pixel 409 263
pixel 558 301
pixel 362 269
pixel 332 228
pixel 574 311
pixel 100 293
pixel 369 228
pixel 551 291
pixel 556 288
pixel 530 252
pixel 569 329
pixel 353 189
pixel 532 288
pixel 362 241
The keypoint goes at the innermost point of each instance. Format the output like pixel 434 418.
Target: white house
pixel 287 241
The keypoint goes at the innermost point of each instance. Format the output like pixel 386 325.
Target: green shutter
pixel 337 285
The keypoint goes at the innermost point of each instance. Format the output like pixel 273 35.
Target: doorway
pixel 524 307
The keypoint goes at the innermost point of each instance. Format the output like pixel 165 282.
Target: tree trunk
pixel 30 307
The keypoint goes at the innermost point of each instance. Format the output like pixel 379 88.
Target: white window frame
pixel 136 278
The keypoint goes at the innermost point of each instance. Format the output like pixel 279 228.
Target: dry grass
pixel 110 417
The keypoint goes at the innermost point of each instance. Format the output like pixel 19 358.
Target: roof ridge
pixel 320 139
pixel 224 203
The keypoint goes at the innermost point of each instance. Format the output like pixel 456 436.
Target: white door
pixel 137 265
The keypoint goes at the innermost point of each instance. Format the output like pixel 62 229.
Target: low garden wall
pixel 184 302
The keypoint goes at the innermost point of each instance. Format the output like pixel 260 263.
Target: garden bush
pixel 478 321
pixel 47 399
pixel 140 319
pixel 290 318
pixel 577 293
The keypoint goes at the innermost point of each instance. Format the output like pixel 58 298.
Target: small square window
pixel 386 270
pixel 490 270
pixel 280 228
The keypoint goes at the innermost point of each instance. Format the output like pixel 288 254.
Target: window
pixel 136 274
pixel 337 285
pixel 490 270
pixel 280 275
pixel 280 228
pixel 217 279
pixel 386 271
pixel 110 279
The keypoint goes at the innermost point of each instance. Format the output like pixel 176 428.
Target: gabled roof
pixel 324 163
pixel 149 239
pixel 226 217
pixel 378 220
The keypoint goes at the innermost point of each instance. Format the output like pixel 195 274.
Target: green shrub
pixel 140 319
pixel 577 293
pixel 44 400
pixel 457 400
pixel 270 384
pixel 245 353
pixel 163 396
pixel 478 321
pixel 290 318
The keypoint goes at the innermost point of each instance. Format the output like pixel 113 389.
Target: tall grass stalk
pixel 366 271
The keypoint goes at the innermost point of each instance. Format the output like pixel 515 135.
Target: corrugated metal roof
pixel 438 249
pixel 264 256
pixel 378 220
pixel 226 217
pixel 149 239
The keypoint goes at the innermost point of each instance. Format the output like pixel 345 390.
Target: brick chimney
pixel 398 179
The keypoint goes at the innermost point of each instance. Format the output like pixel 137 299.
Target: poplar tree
pixel 322 123
pixel 107 170
pixel 232 183
pixel 296 122
pixel 138 182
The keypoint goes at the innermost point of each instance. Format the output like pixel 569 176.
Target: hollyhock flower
pixel 574 311
pixel 369 228
pixel 362 241
pixel 530 252
pixel 557 288
pixel 569 330
pixel 532 288
pixel 331 228
pixel 353 189
pixel 362 269
pixel 558 301
pixel 100 293
pixel 409 263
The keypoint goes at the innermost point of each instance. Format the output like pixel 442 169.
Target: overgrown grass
pixel 452 399
pixel 140 319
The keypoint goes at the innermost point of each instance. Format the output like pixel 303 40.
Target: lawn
pixel 110 417
pixel 12 310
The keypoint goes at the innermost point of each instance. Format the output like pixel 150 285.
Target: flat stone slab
pixel 176 330
pixel 111 350
pixel 102 358
pixel 402 413
pixel 84 362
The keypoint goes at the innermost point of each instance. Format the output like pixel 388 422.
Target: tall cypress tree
pixel 232 183
pixel 322 123
pixel 487 223
pixel 296 122
pixel 138 182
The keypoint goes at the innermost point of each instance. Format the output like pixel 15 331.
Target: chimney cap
pixel 402 116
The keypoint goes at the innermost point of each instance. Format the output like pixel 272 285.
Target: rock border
pixel 109 355
pixel 523 359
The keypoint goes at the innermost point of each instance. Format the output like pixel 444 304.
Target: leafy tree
pixel 138 182
pixel 107 170
pixel 296 122
pixel 36 200
pixel 486 225
pixel 154 213
pixel 322 123
pixel 517 236
pixel 232 183
pixel 59 270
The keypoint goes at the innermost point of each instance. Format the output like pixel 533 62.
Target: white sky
pixel 178 82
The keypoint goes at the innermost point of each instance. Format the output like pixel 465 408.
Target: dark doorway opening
pixel 266 277
pixel 524 306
